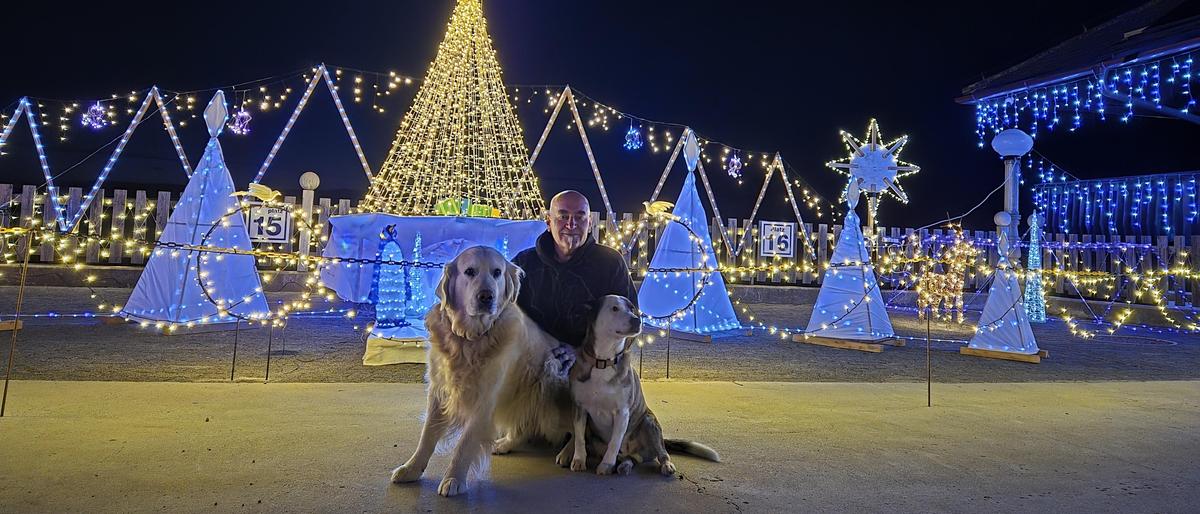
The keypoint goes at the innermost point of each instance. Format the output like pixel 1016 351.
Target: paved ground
pixel 798 447
pixel 114 418
pixel 330 350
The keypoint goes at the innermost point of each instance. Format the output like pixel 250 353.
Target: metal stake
pixel 270 337
pixel 236 328
pixel 928 369
pixel 668 351
pixel 12 348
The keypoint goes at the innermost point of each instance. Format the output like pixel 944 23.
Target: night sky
pixel 750 74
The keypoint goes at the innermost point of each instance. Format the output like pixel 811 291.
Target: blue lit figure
pixel 416 293
pixel 391 287
pixel 1035 297
pixel 633 138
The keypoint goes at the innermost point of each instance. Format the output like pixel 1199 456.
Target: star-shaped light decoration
pixel 873 167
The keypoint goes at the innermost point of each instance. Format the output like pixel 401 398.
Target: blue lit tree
pixel 1035 297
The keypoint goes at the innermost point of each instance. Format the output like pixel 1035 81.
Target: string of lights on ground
pixel 920 272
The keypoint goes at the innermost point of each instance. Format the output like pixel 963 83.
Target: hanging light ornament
pixel 633 138
pixel 95 117
pixel 241 122
pixel 734 167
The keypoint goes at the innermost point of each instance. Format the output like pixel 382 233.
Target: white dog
pixel 609 405
pixel 490 367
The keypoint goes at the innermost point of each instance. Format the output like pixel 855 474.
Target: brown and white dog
pixel 490 367
pixel 609 405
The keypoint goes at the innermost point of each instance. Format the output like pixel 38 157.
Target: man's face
pixel 570 221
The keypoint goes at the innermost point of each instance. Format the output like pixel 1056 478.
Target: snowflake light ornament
pixel 95 118
pixel 734 168
pixel 873 167
pixel 241 123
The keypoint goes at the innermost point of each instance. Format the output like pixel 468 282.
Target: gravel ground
pixel 329 349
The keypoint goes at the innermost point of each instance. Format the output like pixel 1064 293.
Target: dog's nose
pixel 486 297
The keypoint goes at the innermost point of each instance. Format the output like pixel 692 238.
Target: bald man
pixel 565 269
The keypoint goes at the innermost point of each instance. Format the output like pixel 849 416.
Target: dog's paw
pixel 452 486
pixel 578 464
pixel 625 467
pixel 503 446
pixel 605 468
pixel 667 468
pixel 406 473
pixel 563 458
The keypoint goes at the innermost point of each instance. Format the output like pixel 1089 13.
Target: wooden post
pixel 1073 261
pixel 290 245
pixel 1177 260
pixel 1194 261
pixel 1087 252
pixel 6 210
pixel 139 207
pixel 306 209
pixel 1061 260
pixel 95 219
pixel 822 251
pixel 595 220
pixel 1164 262
pixel 326 206
pixel 49 223
pixel 28 193
pixel 117 227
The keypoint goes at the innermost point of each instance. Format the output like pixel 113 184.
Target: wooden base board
pixel 12 324
pixel 1009 356
pixel 875 346
pixel 688 336
pixel 211 328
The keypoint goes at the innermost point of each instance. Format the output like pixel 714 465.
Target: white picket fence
pixel 120 215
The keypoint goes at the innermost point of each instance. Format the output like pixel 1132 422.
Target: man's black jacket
pixel 553 293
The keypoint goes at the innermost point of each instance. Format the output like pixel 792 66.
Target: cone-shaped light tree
pixel 461 139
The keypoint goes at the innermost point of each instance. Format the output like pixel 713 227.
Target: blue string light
pixel 1155 205
pixel 1040 107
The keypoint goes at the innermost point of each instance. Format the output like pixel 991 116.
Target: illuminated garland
pixel 1151 85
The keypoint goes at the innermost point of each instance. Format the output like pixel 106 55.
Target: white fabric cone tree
pixel 664 293
pixel 169 291
pixel 1004 324
pixel 849 304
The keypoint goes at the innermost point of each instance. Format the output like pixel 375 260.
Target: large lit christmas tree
pixel 461 139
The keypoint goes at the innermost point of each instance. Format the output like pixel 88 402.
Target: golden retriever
pixel 490 367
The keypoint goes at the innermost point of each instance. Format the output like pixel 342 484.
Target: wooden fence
pixel 128 219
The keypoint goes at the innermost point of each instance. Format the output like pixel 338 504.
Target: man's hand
pixel 565 356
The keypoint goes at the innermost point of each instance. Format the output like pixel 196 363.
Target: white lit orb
pixel 310 180
pixel 1012 143
pixel 1002 219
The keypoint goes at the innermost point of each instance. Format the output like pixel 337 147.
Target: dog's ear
pixel 512 281
pixel 591 309
pixel 445 288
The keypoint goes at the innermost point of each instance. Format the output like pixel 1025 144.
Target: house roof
pixel 1155 29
